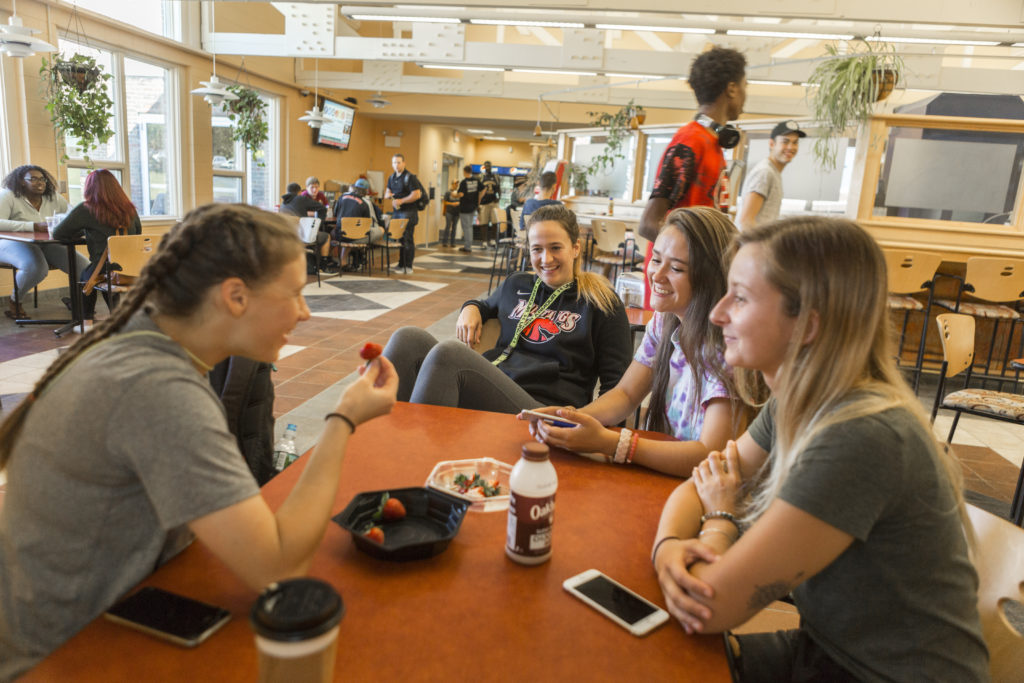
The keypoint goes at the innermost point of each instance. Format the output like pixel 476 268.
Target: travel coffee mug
pixel 296 626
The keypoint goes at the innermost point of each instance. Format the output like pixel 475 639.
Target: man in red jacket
pixel 693 163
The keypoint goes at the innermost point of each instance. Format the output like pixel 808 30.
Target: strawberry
pixel 370 351
pixel 392 509
pixel 375 534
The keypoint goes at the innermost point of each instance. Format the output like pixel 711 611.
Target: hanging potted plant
pixel 843 89
pixel 248 118
pixel 617 131
pixel 78 100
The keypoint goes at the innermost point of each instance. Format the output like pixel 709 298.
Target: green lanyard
pixel 528 317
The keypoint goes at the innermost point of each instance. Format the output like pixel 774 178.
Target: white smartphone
pixel 557 421
pixel 615 601
pixel 181 620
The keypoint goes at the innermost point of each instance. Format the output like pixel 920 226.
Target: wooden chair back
pixel 995 279
pixel 999 560
pixel 489 335
pixel 910 271
pixel 356 228
pixel 608 234
pixel 397 226
pixel 956 331
pixel 131 252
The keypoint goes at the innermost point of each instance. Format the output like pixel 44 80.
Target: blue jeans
pixel 407 251
pixel 467 228
pixel 34 261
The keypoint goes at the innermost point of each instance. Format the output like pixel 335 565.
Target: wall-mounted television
pixel 337 129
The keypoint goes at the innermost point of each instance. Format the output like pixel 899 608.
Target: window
pixel 242 177
pixel 5 145
pixel 142 153
pixel 162 17
pixel 614 181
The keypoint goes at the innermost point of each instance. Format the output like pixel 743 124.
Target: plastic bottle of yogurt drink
pixel 531 508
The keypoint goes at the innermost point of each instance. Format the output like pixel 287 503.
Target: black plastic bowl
pixel 432 519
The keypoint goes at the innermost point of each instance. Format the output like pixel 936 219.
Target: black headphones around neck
pixel 728 136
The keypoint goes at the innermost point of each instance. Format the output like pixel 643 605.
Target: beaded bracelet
pixel 622 448
pixel 720 514
pixel 350 423
pixel 632 447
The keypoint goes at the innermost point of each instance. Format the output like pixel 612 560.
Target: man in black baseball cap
pixel 762 191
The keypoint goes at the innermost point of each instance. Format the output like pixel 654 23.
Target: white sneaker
pixel 408 271
pixel 399 270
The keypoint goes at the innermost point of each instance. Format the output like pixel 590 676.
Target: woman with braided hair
pixel 121 452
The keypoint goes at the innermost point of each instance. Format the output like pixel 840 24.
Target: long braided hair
pixel 212 243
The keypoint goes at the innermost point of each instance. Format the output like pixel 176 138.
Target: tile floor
pixel 350 310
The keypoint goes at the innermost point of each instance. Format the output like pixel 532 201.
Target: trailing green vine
pixel 617 132
pixel 248 118
pixel 78 101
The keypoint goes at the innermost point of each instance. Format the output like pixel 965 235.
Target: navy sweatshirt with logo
pixel 561 355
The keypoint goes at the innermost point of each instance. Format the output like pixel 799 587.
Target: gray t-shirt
pixel 900 604
pixel 765 180
pixel 115 457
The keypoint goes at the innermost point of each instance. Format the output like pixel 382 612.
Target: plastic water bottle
pixel 284 450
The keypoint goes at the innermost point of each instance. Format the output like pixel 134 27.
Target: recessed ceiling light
pixel 555 72
pixel 421 20
pixel 480 131
pixel 462 67
pixel 611 75
pixel 758 82
pixel 930 41
pixel 494 137
pixel 527 22
pixel 789 34
pixel 661 29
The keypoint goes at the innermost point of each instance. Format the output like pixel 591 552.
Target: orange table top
pixel 469 613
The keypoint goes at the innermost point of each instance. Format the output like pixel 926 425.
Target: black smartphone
pixel 166 615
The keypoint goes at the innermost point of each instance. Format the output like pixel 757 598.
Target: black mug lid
pixel 296 609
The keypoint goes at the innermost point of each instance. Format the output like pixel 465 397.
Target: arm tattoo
pixel 677 172
pixel 768 593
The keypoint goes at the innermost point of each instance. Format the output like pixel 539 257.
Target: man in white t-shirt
pixel 762 191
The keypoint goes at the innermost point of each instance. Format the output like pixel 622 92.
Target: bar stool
pixel 14 278
pixel 996 287
pixel 909 273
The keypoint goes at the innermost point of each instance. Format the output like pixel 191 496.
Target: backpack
pixel 424 200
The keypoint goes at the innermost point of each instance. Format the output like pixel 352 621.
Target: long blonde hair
pixel 591 286
pixel 832 273
pixel 210 244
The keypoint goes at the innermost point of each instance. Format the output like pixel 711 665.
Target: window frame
pixel 271 160
pixel 122 164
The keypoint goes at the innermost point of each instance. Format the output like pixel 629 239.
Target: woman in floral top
pixel 679 362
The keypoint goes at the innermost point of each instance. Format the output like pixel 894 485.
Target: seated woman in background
pixel 104 486
pixel 562 330
pixel 105 211
pixel 679 362
pixel 28 197
pixel 855 508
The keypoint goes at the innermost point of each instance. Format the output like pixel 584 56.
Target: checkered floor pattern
pixel 361 298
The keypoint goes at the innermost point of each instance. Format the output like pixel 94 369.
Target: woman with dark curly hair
pixel 28 196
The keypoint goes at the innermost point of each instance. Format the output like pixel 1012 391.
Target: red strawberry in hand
pixel 375 534
pixel 370 351
pixel 392 510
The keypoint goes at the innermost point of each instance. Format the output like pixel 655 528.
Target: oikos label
pixel 529 527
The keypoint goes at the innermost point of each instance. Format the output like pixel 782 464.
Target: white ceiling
pixel 648 44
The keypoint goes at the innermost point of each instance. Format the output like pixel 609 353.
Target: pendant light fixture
pixel 314 117
pixel 213 91
pixel 16 39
